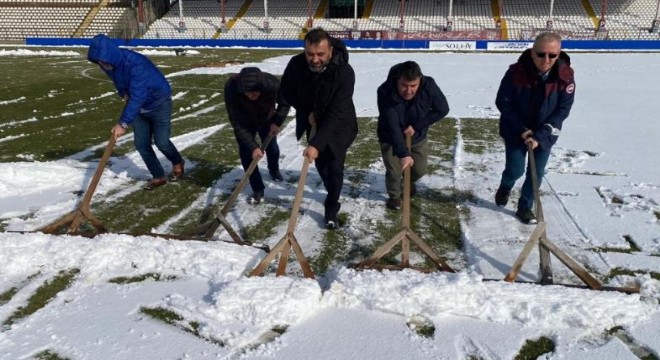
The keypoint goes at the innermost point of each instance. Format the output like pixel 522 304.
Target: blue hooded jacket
pixel 133 75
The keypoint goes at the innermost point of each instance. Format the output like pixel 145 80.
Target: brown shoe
pixel 154 183
pixel 177 171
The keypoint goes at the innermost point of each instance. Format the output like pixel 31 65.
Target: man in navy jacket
pixel 408 104
pixel 148 108
pixel 319 84
pixel 534 98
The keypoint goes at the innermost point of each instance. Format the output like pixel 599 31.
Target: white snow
pixel 608 149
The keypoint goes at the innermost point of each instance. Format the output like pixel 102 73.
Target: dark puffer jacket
pixel 246 116
pixel 526 102
pixel 395 114
pixel 329 95
pixel 133 75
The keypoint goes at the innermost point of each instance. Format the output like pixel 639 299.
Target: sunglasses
pixel 543 54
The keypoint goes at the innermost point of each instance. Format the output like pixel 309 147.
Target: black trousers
pixel 330 166
pixel 272 156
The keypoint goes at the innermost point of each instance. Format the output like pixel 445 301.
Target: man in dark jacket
pixel 319 84
pixel 408 104
pixel 148 108
pixel 251 97
pixel 534 98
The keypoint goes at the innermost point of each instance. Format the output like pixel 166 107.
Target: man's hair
pixel 408 71
pixel 317 35
pixel 547 37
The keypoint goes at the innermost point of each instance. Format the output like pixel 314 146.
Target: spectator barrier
pixel 472 45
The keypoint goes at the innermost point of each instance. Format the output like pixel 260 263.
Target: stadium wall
pixel 471 45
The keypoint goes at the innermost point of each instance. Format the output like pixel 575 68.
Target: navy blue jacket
pixel 133 75
pixel 395 114
pixel 247 116
pixel 526 102
pixel 328 94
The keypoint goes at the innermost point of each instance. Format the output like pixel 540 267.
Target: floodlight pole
pixel 603 11
pixel 548 23
pixel 223 21
pixel 266 25
pixel 310 21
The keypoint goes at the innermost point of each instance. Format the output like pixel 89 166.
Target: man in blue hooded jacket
pixel 148 107
pixel 534 98
pixel 408 104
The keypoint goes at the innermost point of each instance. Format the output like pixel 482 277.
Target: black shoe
pixel 502 196
pixel 256 197
pixel 526 216
pixel 331 224
pixel 276 175
pixel 393 204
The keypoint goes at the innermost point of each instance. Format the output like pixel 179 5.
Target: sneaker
pixel 154 183
pixel 276 175
pixel 502 196
pixel 177 171
pixel 331 225
pixel 526 216
pixel 393 203
pixel 256 197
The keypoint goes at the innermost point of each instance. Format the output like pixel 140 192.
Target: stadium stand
pixel 629 19
pixel 253 19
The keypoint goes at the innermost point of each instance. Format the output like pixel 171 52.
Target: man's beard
pixel 316 69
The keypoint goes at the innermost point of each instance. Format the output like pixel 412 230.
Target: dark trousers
pixel 393 171
pixel 330 166
pixel 272 155
pixel 516 156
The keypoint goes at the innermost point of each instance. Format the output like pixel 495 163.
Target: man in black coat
pixel 255 106
pixel 408 104
pixel 319 84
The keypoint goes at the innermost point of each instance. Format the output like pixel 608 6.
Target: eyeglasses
pixel 543 54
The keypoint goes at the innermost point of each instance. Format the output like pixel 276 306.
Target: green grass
pixel 43 295
pixel 48 355
pixel 626 272
pixel 7 295
pixel 73 85
pixel 148 276
pixel 171 318
pixel 533 349
pixel 266 227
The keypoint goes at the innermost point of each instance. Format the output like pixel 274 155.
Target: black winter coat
pixel 246 116
pixel 528 103
pixel 395 114
pixel 329 95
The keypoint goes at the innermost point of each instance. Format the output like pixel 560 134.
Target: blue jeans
pixel 272 155
pixel 155 125
pixel 514 168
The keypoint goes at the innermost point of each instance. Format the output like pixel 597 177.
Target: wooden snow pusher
pixel 405 236
pixel 74 219
pixel 288 241
pixel 209 228
pixel 539 236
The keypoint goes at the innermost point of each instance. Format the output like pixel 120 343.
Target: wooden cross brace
pixel 74 219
